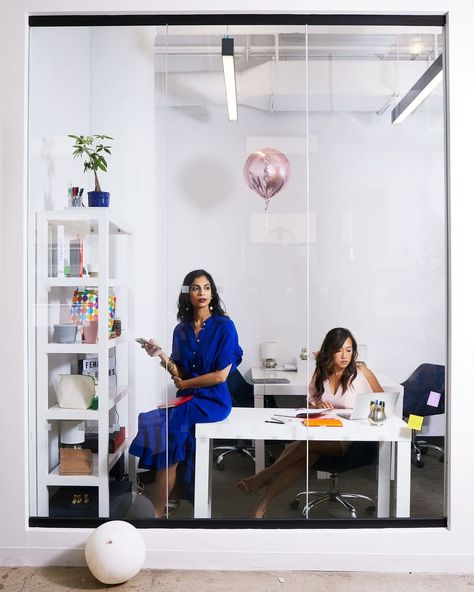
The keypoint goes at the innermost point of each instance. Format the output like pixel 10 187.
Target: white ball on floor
pixel 115 552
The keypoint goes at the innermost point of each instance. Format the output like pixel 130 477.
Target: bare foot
pixel 252 483
pixel 260 510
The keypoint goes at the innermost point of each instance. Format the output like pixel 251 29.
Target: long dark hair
pixel 332 343
pixel 185 310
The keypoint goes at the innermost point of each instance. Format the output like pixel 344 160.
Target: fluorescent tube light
pixel 419 91
pixel 229 77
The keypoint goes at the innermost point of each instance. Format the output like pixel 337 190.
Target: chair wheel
pixel 370 510
pixel 294 504
pixel 419 463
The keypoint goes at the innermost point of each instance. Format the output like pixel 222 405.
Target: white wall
pixel 402 549
pixel 377 245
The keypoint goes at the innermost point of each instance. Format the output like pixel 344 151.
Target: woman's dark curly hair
pixel 332 343
pixel 185 310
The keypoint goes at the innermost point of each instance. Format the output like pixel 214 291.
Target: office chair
pixel 417 389
pixel 242 396
pixel 360 454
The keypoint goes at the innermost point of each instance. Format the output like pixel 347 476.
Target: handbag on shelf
pixel 75 391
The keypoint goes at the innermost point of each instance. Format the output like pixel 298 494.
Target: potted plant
pixel 92 149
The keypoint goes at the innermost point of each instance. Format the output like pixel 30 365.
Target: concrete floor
pixel 57 579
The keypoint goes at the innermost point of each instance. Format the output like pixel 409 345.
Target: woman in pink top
pixel 336 381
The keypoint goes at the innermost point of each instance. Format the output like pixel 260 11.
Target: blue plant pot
pixel 98 199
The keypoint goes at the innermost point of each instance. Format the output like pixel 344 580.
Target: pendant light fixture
pixel 228 66
pixel 422 88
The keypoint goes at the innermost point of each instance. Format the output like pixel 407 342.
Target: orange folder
pixel 331 422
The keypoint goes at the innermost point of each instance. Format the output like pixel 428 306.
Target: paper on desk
pixel 415 422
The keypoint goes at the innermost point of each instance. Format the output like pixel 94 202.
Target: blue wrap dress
pixel 167 436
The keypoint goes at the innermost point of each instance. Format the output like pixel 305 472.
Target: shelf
pixel 54 478
pixel 58 413
pixel 85 220
pixel 114 456
pixel 117 394
pixel 78 282
pixel 81 348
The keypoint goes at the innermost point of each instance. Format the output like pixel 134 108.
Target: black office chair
pixel 359 454
pixel 242 396
pixel 417 389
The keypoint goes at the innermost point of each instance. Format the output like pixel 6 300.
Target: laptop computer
pixel 362 405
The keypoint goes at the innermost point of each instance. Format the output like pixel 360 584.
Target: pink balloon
pixel 266 171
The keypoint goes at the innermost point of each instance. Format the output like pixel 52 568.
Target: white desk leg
pixel 383 481
pixel 203 479
pixel 259 445
pixel 403 479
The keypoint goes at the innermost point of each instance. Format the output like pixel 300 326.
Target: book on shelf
pixel 61 254
pixel 76 257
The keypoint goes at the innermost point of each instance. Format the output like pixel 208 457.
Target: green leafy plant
pixel 92 149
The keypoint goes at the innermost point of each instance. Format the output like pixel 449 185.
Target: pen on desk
pixel 274 421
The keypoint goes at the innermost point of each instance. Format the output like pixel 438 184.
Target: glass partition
pixel 288 260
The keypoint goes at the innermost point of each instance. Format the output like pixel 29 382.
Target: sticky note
pixel 415 422
pixel 433 399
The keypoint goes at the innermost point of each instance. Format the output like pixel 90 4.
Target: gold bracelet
pixel 170 366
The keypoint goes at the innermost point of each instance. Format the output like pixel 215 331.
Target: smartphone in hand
pixel 143 341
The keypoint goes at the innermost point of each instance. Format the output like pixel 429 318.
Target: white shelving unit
pixel 84 223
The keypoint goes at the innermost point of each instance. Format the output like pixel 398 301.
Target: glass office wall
pixel 309 209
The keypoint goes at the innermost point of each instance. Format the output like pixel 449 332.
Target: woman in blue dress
pixel 205 350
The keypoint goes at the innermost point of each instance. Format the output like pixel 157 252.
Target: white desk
pixel 298 385
pixel 249 424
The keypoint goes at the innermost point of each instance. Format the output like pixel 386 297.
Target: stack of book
pixel 75 461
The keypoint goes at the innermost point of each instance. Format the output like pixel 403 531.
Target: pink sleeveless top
pixel 340 400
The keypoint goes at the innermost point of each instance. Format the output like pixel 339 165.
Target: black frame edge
pixel 127 20
pixel 245 524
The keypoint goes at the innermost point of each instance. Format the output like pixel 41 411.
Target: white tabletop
pixel 250 423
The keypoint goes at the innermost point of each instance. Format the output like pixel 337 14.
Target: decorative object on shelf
pixel 92 150
pixel 90 366
pixel 115 440
pixel 89 331
pixel 75 461
pixel 115 552
pixel 93 270
pixel 75 391
pixel 64 333
pixel 85 307
pixel 266 171
pixel 73 432
pixel 268 354
pixel 117 328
